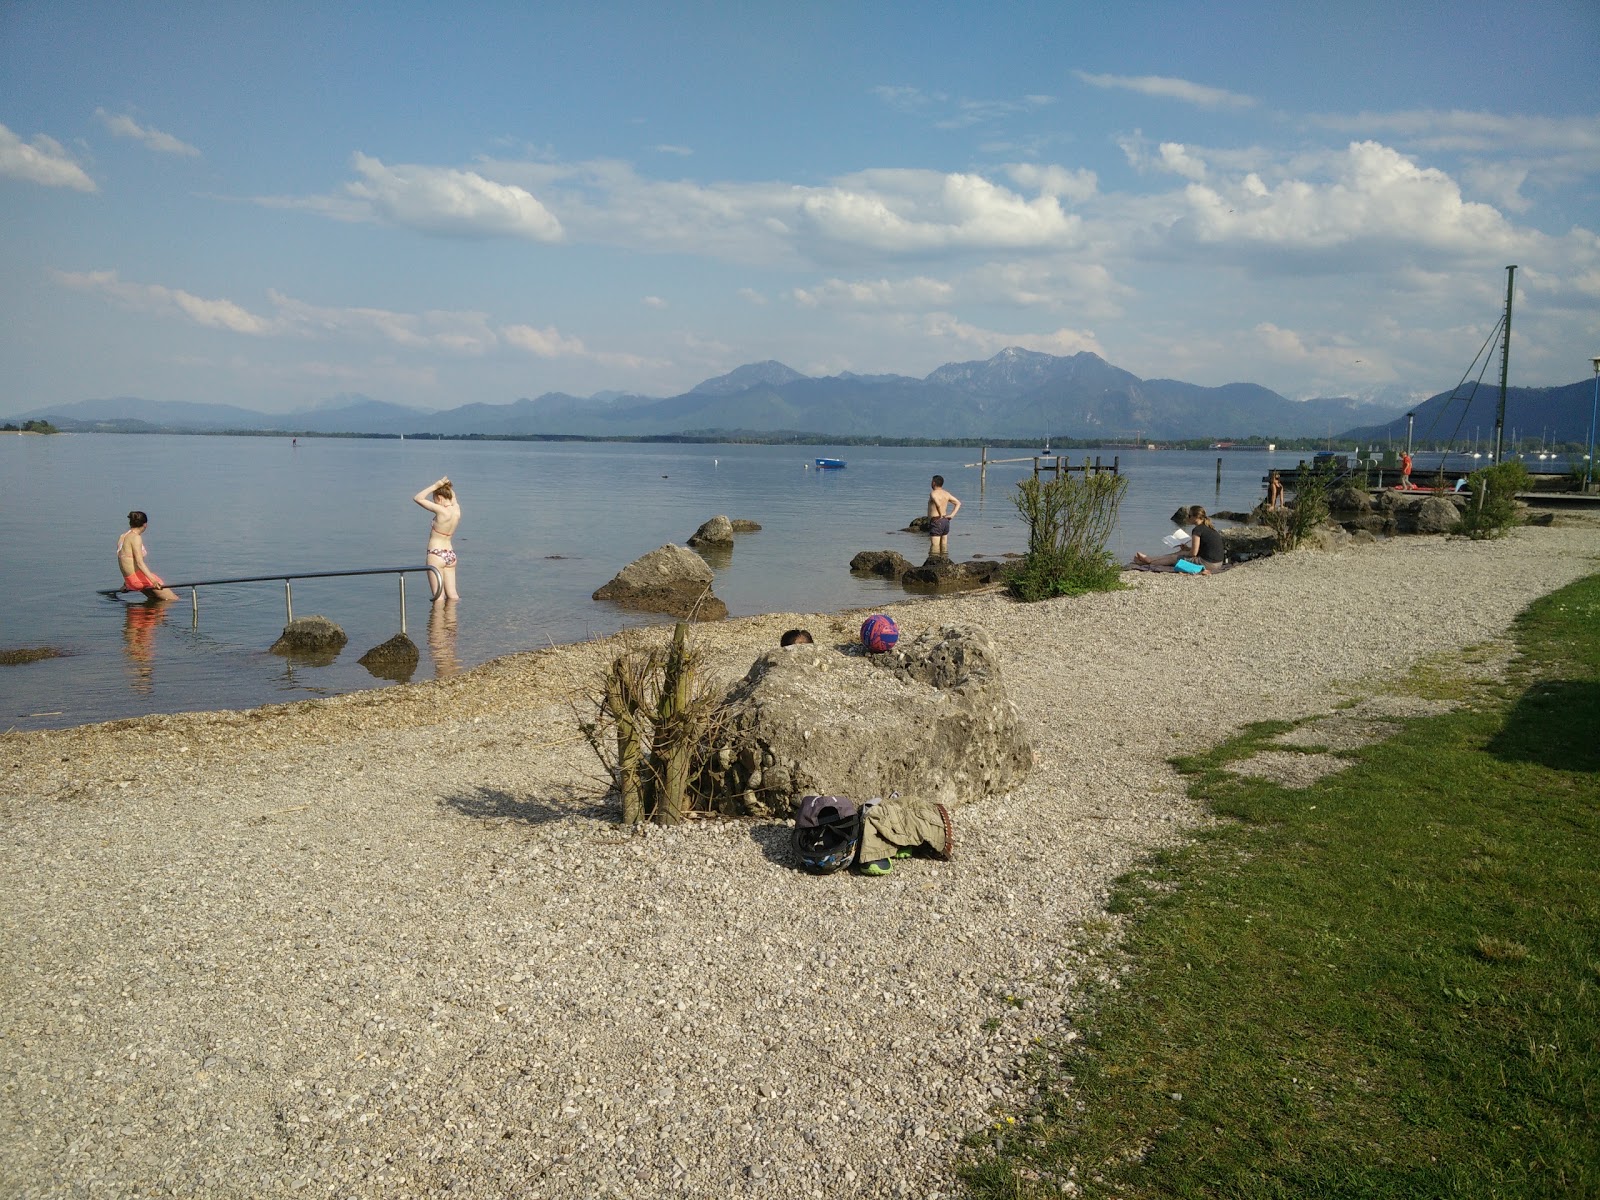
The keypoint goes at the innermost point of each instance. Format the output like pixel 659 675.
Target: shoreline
pixel 392 942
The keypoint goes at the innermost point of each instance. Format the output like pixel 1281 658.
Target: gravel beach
pixel 394 944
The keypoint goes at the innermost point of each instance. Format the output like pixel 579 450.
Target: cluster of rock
pixel 936 574
pixel 1390 512
pixel 675 580
pixel 929 719
pixel 317 641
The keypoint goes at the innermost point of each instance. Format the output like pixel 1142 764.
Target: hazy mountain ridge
pixel 1014 394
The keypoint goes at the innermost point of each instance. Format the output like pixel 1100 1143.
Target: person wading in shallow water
pixel 942 505
pixel 136 573
pixel 439 498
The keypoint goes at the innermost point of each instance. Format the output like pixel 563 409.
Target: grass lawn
pixel 1386 984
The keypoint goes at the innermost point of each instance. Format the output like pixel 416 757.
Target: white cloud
pixel 44 162
pixel 653 302
pixel 442 200
pixel 910 211
pixel 1054 181
pixel 946 327
pixel 1375 196
pixel 544 343
pixel 920 292
pixel 1501 182
pixel 125 126
pixel 154 298
pixel 455 332
pixel 1178 159
pixel 681 151
pixel 1170 89
pixel 751 296
pixel 1476 131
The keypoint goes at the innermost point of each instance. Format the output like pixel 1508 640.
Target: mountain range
pixel 1015 394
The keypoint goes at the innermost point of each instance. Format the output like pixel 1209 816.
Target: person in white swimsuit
pixel 439 498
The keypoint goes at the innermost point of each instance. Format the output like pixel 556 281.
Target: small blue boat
pixel 829 464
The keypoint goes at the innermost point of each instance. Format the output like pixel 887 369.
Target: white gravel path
pixel 393 944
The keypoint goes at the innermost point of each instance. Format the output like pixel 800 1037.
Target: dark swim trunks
pixel 939 526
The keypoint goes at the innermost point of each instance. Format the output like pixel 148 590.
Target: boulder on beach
pixel 310 637
pixel 742 526
pixel 929 719
pixel 1438 514
pixel 670 579
pixel 1247 542
pixel 718 531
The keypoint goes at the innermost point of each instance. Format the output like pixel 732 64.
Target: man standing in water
pixel 942 505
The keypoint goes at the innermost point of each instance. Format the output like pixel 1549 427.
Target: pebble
pixel 395 944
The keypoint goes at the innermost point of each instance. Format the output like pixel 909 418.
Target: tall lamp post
pixel 1594 411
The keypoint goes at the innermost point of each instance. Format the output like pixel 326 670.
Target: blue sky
pixel 275 204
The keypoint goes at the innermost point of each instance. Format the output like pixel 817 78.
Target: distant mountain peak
pixel 762 374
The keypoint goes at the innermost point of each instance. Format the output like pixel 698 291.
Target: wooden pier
pixel 1052 464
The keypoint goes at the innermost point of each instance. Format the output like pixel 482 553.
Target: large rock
pixel 1437 514
pixel 740 525
pixel 1247 542
pixel 310 637
pixel 945 575
pixel 888 563
pixel 670 579
pixel 930 719
pixel 1349 500
pixel 718 531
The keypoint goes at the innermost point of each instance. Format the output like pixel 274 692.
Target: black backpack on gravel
pixel 827 833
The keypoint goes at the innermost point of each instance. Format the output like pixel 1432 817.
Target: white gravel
pixel 393 944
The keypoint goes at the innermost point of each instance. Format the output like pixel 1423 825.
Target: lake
pixel 544 524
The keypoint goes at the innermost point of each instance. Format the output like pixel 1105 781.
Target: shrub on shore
pixel 1070 519
pixel 1292 525
pixel 1492 507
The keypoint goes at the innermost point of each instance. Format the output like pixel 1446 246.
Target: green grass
pixel 1383 985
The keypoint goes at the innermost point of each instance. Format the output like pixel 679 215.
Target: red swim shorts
pixel 142 582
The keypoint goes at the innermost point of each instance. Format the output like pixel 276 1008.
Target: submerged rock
pixel 395 659
pixel 887 563
pixel 670 579
pixel 718 531
pixel 310 637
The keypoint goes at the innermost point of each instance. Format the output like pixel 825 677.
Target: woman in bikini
pixel 439 498
pixel 136 573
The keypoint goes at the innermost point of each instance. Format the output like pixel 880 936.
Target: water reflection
pixel 139 624
pixel 442 639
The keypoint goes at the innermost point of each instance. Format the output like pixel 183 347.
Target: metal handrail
pixel 436 584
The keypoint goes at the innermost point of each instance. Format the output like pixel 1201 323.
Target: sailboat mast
pixel 1505 367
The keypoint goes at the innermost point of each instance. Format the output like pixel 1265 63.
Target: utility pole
pixel 1505 367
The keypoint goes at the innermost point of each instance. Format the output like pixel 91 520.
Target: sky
pixel 278 204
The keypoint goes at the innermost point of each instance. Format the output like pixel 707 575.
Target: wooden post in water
pixel 1219 474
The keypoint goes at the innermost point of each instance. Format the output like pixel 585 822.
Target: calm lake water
pixel 544 524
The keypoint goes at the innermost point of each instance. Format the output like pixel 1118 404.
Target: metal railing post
pixel 288 601
pixel 402 579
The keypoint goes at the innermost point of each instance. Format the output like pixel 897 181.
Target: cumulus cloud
pixel 751 296
pixel 653 302
pixel 1169 89
pixel 44 161
pixel 681 151
pixel 125 126
pixel 1375 195
pixel 1054 181
pixel 1177 159
pixel 911 211
pixel 443 200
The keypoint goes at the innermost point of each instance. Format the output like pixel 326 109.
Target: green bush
pixel 1070 519
pixel 1492 506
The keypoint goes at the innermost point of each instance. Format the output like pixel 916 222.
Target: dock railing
pixel 435 584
